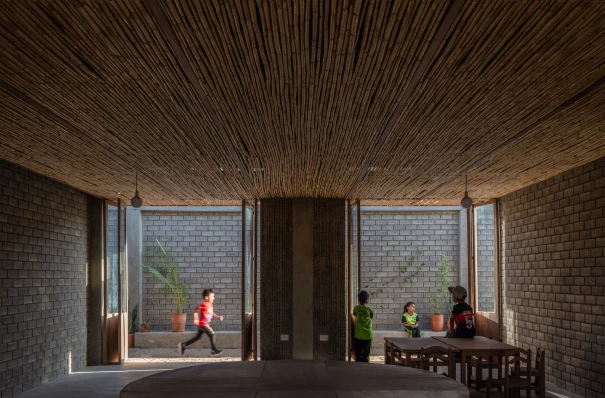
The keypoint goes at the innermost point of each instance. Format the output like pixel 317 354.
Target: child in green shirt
pixel 363 328
pixel 409 319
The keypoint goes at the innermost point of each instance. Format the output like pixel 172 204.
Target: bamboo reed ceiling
pixel 388 101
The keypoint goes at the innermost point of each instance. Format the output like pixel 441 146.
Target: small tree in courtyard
pixel 164 268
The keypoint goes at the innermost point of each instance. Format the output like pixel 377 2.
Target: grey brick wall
pixel 389 240
pixel 43 237
pixel 486 269
pixel 207 247
pixel 554 275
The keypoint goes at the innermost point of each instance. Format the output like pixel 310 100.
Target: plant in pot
pixel 440 297
pixel 163 267
pixel 145 327
pixel 132 326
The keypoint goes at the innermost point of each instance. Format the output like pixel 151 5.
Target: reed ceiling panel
pixel 304 87
pixel 104 69
pixel 505 66
pixel 91 91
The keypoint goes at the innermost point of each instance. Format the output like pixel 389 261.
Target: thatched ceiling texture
pixel 388 101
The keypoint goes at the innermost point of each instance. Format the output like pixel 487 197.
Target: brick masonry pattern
pixel 43 237
pixel 389 240
pixel 207 248
pixel 554 275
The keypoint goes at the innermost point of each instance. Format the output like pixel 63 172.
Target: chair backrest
pixel 540 360
pixel 435 356
pixel 517 357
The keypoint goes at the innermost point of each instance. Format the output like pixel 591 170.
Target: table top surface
pixel 478 343
pixel 412 345
pixel 294 379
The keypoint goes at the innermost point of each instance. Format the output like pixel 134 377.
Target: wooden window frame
pixel 473 277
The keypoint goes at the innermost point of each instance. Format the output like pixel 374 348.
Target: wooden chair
pixel 538 372
pixel 479 363
pixel 438 356
pixel 514 358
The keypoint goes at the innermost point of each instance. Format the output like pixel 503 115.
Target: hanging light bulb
pixel 466 202
pixel 136 201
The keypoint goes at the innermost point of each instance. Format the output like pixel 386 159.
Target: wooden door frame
pixel 253 276
pixel 472 275
pixel 255 281
pixel 105 332
pixel 350 321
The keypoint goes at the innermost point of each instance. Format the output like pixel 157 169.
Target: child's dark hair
pixel 363 296
pixel 405 309
pixel 207 292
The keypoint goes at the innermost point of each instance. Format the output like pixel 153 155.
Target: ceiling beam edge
pixel 436 42
pixel 165 27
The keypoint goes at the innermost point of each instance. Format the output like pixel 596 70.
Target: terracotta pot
pixel 144 328
pixel 437 323
pixel 131 341
pixel 178 322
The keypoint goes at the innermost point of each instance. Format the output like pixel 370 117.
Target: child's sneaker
pixel 181 348
pixel 216 353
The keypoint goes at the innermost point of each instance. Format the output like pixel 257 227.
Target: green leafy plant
pixel 145 326
pixel 402 273
pixel 132 318
pixel 441 296
pixel 165 269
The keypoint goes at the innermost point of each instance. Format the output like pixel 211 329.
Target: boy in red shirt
pixel 206 315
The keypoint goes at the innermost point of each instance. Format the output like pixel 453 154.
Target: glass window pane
pixel 355 252
pixel 248 259
pixel 123 259
pixel 112 259
pixel 486 267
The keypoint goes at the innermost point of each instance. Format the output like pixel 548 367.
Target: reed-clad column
pixel 276 279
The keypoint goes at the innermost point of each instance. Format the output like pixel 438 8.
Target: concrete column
pixel 134 230
pixel 302 292
pixel 463 250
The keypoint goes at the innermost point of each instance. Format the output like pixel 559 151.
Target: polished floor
pixel 108 381
pixel 293 379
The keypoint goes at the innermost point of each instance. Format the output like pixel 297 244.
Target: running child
pixel 206 315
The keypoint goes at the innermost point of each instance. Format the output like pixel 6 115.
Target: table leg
pixel 392 349
pixel 463 368
pixel 408 359
pixel 386 353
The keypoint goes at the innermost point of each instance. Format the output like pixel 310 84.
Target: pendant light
pixel 466 202
pixel 136 201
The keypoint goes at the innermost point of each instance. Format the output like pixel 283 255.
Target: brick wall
pixel 389 240
pixel 485 258
pixel 43 237
pixel 207 247
pixel 554 275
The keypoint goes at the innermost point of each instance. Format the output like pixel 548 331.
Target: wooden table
pixel 477 346
pixel 293 379
pixel 410 346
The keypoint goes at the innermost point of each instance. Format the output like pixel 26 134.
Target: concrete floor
pixel 108 381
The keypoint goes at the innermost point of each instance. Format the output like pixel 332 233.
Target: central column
pixel 302 283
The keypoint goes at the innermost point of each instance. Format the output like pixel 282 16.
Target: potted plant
pixel 440 297
pixel 132 319
pixel 145 327
pixel 163 267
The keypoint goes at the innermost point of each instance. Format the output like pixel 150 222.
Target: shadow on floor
pixel 108 381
